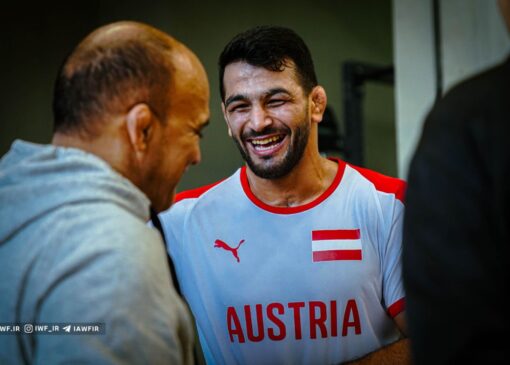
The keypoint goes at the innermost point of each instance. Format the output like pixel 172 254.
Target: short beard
pixel 294 154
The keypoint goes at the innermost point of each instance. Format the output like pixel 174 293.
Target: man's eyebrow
pixel 276 90
pixel 269 93
pixel 233 98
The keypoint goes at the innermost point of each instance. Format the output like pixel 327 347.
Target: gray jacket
pixel 75 249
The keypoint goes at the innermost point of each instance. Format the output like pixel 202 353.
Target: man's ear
pixel 319 100
pixel 139 122
pixel 225 117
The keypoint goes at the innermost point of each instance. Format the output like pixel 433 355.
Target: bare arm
pixel 400 321
pixel 394 354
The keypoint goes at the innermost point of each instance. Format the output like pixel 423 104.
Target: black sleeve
pixel 454 270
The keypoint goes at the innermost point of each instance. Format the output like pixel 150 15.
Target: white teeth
pixel 263 148
pixel 265 140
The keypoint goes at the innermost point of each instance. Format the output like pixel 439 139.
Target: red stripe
pixel 195 193
pixel 397 307
pixel 334 255
pixel 336 234
pixel 383 183
pixel 292 210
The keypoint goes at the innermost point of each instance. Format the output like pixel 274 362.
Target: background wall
pixel 37 38
pixel 471 38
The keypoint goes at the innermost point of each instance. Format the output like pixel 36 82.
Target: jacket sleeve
pixel 118 279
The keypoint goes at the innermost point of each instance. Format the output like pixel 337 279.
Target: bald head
pixel 138 99
pixel 112 69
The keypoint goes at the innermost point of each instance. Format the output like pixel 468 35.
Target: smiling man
pixel 295 258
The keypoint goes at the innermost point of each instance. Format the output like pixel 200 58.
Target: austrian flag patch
pixel 336 244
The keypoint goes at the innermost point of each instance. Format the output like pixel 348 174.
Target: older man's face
pixel 176 141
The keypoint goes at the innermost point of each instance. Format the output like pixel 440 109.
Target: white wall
pixel 415 84
pixel 473 37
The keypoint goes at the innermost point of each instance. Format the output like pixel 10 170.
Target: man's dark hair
pixel 96 80
pixel 271 47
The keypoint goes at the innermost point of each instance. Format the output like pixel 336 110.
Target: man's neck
pixel 306 182
pixel 107 148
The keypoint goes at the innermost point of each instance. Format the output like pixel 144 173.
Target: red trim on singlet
pixel 194 193
pixel 291 210
pixel 383 183
pixel 397 307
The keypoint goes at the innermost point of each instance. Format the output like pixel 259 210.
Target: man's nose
pixel 259 119
pixel 197 155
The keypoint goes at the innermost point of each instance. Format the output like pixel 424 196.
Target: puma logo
pixel 225 246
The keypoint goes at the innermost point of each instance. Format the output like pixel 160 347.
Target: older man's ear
pixel 139 124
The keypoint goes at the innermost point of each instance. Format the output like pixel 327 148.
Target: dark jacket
pixel 457 226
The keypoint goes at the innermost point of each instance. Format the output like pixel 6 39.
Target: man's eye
pixel 199 133
pixel 239 108
pixel 276 102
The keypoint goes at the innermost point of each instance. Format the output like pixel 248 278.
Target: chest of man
pixel 266 277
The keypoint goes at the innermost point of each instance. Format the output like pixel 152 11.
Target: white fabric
pixel 276 305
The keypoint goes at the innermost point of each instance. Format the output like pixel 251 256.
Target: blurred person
pixel 295 258
pixel 457 224
pixel 129 104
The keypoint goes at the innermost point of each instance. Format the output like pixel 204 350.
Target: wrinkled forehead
pixel 243 78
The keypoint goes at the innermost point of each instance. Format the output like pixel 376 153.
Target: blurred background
pixel 382 63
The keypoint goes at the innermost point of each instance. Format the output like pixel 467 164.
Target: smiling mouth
pixel 267 145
